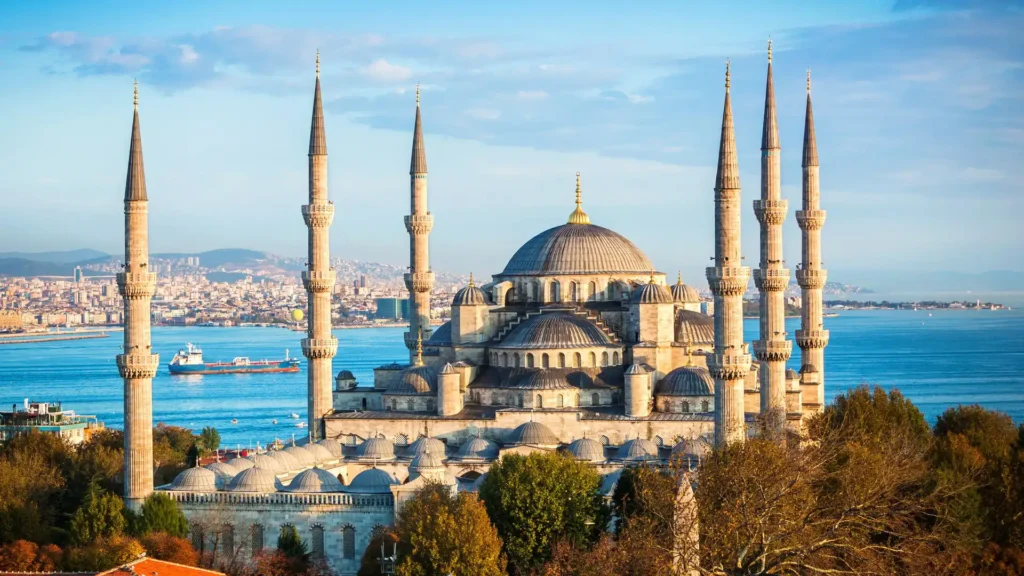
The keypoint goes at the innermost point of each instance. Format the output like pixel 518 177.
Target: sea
pixel 938 358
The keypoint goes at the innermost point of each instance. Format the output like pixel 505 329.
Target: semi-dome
pixel 315 480
pixel 694 328
pixel 791 374
pixel 255 480
pixel 532 433
pixel 423 444
pixel 470 296
pixel 577 249
pixel 651 293
pixel 415 380
pixel 636 450
pixel 684 294
pixel 195 479
pixel 224 471
pixel 587 449
pixel 478 449
pixel 286 460
pixel 332 446
pixel 686 381
pixel 541 379
pixel 376 449
pixel 555 330
pixel 372 481
pixel 300 453
pixel 442 336
pixel 265 462
pixel 240 463
pixel 320 454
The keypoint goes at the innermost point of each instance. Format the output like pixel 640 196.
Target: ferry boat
pixel 190 361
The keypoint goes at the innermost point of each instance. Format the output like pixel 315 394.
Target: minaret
pixel 728 281
pixel 773 349
pixel 811 337
pixel 419 280
pixel 320 345
pixel 138 364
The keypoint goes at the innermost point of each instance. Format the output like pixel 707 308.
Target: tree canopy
pixel 100 516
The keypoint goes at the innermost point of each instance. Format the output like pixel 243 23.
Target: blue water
pixel 948 358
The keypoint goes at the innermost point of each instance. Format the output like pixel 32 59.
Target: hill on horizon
pixel 57 257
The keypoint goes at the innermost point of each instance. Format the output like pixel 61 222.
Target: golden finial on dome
pixel 769 49
pixel 679 278
pixel 651 281
pixel 317 62
pixel 419 348
pixel 578 216
pixel 471 285
pixel 417 94
pixel 726 75
pixel 135 98
pixel 689 355
pixel 808 80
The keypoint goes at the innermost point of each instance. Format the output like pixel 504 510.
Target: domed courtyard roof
pixel 371 481
pixel 423 444
pixel 533 433
pixel 254 480
pixel 478 448
pixel 686 381
pixel 265 462
pixel 415 380
pixel 376 449
pixel 555 330
pixel 304 456
pixel 286 460
pixel 577 249
pixel 224 471
pixel 320 453
pixel 195 479
pixel 638 449
pixel 332 446
pixel 587 449
pixel 315 480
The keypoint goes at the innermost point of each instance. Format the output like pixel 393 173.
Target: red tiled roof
pixel 154 567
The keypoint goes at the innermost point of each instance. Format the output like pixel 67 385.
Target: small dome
pixel 195 480
pixel 315 480
pixel 345 375
pixel 448 369
pixel 372 481
pixel 555 330
pixel 694 328
pixel 470 296
pixel 423 444
pixel 256 480
pixel 415 380
pixel 587 449
pixel 808 369
pixel 320 454
pixel 478 449
pixel 683 294
pixel 541 379
pixel 651 293
pixel 637 450
pixel 332 446
pixel 304 456
pixel 791 374
pixel 376 449
pixel 635 369
pixel 532 433
pixel 694 448
pixel 686 381
pixel 265 462
pixel 240 463
pixel 225 472
pixel 426 464
pixel 286 460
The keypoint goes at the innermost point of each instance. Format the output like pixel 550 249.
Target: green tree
pixel 443 535
pixel 872 416
pixel 161 514
pixel 103 554
pixel 210 438
pixel 538 499
pixel 101 515
pixel 370 564
pixel 292 555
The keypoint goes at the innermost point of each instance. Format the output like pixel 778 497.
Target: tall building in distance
pixel 320 345
pixel 392 308
pixel 79 275
pixel 812 336
pixel 771 279
pixel 420 279
pixel 137 364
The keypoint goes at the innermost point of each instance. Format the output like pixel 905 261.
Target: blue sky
pixel 918 108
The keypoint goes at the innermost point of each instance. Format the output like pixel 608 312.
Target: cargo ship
pixel 190 361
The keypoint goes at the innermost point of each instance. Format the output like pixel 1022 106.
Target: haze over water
pixel 939 360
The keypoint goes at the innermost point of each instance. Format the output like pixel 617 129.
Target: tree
pixel 441 535
pixel 103 554
pixel 872 416
pixel 292 555
pixel 163 546
pixel 370 564
pixel 100 516
pixel 209 438
pixel 161 514
pixel 25 556
pixel 536 500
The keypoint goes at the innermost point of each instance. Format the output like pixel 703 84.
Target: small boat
pixel 294 415
pixel 234 420
pixel 300 425
pixel 274 421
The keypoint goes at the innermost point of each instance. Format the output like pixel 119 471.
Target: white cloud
pixel 384 71
pixel 188 54
pixel 531 95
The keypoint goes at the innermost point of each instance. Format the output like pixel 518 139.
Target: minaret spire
pixel 137 364
pixel 811 337
pixel 727 279
pixel 420 279
pixel 771 279
pixel 578 216
pixel 320 345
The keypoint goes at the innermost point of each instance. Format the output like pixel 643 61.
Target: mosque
pixel 578 345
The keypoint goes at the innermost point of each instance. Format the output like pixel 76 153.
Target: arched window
pixel 401 440
pixel 560 401
pixel 364 403
pixel 686 406
pixel 529 360
pixel 227 539
pixel 348 542
pixel 520 399
pixel 704 406
pixel 577 360
pixel 317 547
pixel 605 441
pixel 593 359
pixel 504 359
pixel 595 399
pixel 561 360
pixel 408 405
pixel 197 535
pixel 604 358
pixel 430 405
pixel 544 360
pixel 574 292
pixel 515 359
pixel 615 358
pixel 394 404
pixel 510 296
pixel 256 538
pixel 556 292
pixel 540 402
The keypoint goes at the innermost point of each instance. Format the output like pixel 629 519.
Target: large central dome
pixel 578 249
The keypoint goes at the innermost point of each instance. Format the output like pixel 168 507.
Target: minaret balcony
pixel 419 224
pixel 137 366
pixel 730 365
pixel 773 350
pixel 728 281
pixel 771 279
pixel 811 339
pixel 319 281
pixel 419 281
pixel 318 215
pixel 136 285
pixel 811 279
pixel 810 219
pixel 771 212
pixel 315 348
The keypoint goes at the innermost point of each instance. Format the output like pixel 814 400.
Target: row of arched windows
pixel 224 539
pixel 560 360
pixel 685 406
pixel 410 405
pixel 531 291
